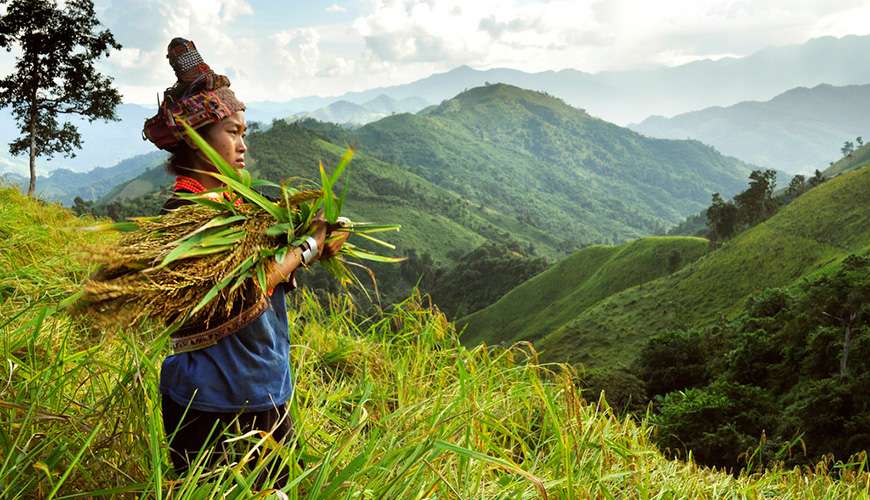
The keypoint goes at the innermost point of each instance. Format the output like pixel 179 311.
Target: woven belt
pixel 211 336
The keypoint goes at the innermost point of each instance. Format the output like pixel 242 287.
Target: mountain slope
pixel 797 131
pixel 435 220
pixel 819 228
pixel 552 166
pixel 556 296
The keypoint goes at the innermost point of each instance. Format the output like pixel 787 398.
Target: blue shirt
pixel 246 371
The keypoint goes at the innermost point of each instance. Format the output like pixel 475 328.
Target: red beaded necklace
pixel 185 183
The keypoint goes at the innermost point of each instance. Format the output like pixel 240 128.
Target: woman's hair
pixel 182 155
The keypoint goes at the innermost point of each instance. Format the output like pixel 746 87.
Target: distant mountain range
pixel 103 143
pixel 797 131
pixel 348 113
pixel 630 96
pixel 63 185
pixel 619 96
pixel 494 164
pixel 106 143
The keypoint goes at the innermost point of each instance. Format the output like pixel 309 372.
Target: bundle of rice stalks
pixel 207 260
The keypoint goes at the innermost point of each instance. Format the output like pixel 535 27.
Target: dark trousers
pixel 201 430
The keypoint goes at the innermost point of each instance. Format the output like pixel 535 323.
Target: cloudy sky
pixel 280 49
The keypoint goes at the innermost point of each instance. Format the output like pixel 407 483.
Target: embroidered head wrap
pixel 200 96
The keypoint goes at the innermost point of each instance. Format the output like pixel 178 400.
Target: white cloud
pixel 395 41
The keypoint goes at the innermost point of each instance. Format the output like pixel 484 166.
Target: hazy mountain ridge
pixel 630 96
pixel 345 112
pixel 797 131
pixel 63 185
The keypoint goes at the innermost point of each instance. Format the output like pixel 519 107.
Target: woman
pixel 237 369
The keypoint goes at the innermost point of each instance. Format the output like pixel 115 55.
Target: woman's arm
pixel 278 272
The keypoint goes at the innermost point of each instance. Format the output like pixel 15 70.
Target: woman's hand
pixel 335 238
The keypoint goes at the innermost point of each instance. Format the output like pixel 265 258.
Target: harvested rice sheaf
pixel 203 262
pixel 132 285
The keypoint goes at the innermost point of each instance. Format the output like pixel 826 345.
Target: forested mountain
pixel 804 238
pixel 552 166
pixel 797 131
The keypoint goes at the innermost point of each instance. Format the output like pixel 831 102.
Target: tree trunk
pixel 32 187
pixel 844 359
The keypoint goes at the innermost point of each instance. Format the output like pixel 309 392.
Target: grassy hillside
pixel 390 407
pixel 817 229
pixel 860 158
pixel 558 295
pixel 797 131
pixel 551 165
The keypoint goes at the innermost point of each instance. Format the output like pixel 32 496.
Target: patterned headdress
pixel 200 96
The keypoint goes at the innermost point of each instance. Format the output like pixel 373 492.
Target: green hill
pixel 816 230
pixel 551 165
pixel 558 295
pixel 394 408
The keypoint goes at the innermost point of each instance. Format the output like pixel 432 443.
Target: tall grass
pixel 386 407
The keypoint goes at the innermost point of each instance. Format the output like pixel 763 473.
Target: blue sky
pixel 277 50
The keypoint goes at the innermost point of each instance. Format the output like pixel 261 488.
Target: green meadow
pixel 390 406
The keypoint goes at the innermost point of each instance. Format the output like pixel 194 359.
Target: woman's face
pixel 228 138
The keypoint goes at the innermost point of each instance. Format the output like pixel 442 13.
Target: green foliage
pixel 672 361
pixel 794 366
pixel 54 75
pixel 796 187
pixel 624 391
pixel 384 407
pixel 722 218
pixel 482 276
pixel 719 424
pixel 756 203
